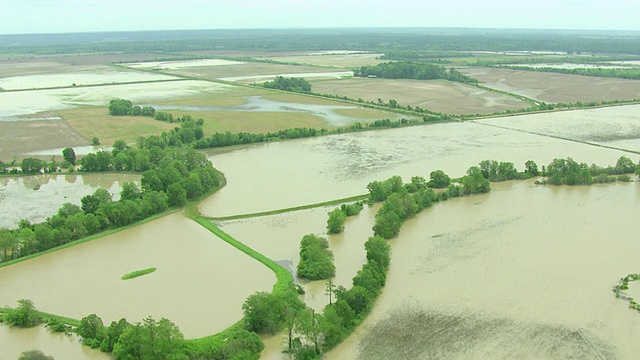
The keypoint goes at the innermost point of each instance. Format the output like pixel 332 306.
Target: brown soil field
pixel 256 122
pixel 96 122
pixel 20 137
pixel 246 69
pixel 62 64
pixel 339 60
pixel 435 95
pixel 554 87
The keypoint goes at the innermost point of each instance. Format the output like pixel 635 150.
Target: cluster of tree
pixel 338 216
pixel 308 333
pixel 295 84
pixel 170 179
pixel 624 73
pixel 34 355
pixel 570 172
pixel 122 107
pixel 400 202
pixel 24 315
pixel 29 166
pixel 316 260
pixel 413 70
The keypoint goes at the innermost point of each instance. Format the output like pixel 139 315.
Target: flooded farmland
pixel 39 196
pixel 200 282
pixel 314 170
pixel 525 271
pixel 59 346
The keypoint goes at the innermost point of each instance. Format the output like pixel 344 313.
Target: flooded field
pixel 617 126
pixel 439 96
pixel 19 194
pixel 278 237
pixel 525 271
pixel 31 102
pixel 570 66
pixel 552 87
pixel 331 58
pixel 91 76
pixel 320 169
pixel 200 282
pixel 59 346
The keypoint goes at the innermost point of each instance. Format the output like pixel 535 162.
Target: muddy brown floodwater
pixel 278 237
pixel 15 341
pixel 523 272
pixel 270 176
pixel 200 282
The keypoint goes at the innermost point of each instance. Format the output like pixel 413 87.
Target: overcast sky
pixel 52 16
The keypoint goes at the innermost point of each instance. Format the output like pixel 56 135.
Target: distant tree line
pixel 413 70
pixel 294 84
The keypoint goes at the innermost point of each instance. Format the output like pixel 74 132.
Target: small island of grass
pixel 137 273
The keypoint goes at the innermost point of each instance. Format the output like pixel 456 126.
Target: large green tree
pixel 150 340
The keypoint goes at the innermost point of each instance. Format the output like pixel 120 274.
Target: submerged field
pixel 527 273
pixel 200 282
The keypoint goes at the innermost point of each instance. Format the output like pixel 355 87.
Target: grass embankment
pixel 296 208
pixel 137 273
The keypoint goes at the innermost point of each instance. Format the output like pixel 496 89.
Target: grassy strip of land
pixel 296 208
pixel 45 316
pixel 137 273
pixel 284 277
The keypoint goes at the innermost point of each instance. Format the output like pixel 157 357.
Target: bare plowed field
pixel 556 88
pixel 435 95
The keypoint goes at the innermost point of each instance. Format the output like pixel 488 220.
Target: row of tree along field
pixel 624 73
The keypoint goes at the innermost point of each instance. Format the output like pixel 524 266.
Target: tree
pixel 309 328
pixel 475 183
pixel 69 155
pixel 335 223
pixel 264 312
pixel 438 180
pixel 130 191
pixel 91 329
pixel 378 250
pixel 150 340
pixel 95 141
pixel 330 289
pixel 530 167
pixel 119 145
pixel 34 355
pixel 32 165
pixel 316 260
pixel 176 195
pixel 624 165
pixel 112 334
pixel 25 315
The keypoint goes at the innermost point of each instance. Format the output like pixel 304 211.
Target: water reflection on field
pixel 523 272
pixel 20 200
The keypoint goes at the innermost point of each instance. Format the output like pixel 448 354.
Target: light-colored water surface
pixel 19 199
pixel 200 282
pixel 279 175
pixel 15 341
pixel 523 272
pixel 34 101
pixel 100 75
